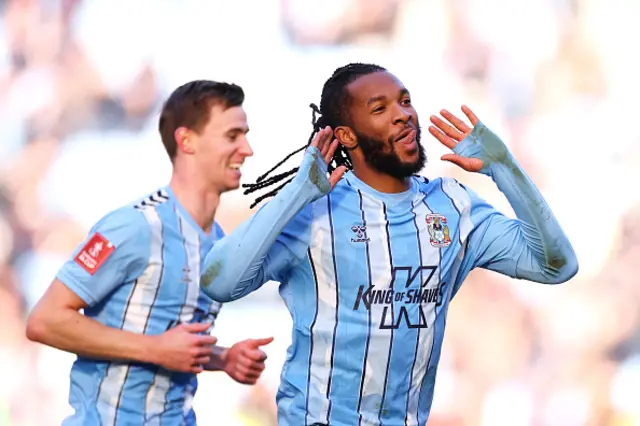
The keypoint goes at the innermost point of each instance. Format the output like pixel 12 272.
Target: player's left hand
pixel 474 149
pixel 244 361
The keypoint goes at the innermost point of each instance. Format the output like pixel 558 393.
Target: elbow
pixel 211 281
pixel 217 292
pixel 225 289
pixel 215 285
pixel 37 327
pixel 224 282
pixel 564 268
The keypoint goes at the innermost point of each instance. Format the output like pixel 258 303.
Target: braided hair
pixel 332 112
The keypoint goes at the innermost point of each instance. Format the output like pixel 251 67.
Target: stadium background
pixel 81 83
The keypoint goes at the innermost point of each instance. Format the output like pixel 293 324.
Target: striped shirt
pixel 139 271
pixel 368 278
pixel 369 301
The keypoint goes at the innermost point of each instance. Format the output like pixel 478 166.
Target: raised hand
pixel 475 149
pixel 327 145
pixel 184 348
pixel 244 361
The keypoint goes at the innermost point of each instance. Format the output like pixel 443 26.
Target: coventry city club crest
pixel 438 230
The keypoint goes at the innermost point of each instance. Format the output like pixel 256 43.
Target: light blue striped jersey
pixel 370 279
pixel 139 271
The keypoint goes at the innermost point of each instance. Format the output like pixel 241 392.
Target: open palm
pixel 475 148
pixel 327 145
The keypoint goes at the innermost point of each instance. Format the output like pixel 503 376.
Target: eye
pixel 378 109
pixel 406 102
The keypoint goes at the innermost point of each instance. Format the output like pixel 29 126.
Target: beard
pixel 382 156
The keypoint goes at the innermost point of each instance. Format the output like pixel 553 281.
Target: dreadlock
pixel 332 112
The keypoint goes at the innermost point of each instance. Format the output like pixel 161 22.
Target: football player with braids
pixel 330 113
pixel 369 255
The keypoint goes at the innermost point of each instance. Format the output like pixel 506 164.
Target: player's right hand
pixel 183 348
pixel 314 165
pixel 327 146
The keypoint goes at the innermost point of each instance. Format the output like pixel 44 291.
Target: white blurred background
pixel 81 84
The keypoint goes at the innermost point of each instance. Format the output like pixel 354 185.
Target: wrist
pixel 145 350
pixel 223 361
pixel 311 181
pixel 508 164
pixel 301 191
pixel 218 360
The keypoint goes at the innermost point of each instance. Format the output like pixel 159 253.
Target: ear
pixel 346 137
pixel 184 139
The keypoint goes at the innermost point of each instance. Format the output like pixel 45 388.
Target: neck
pixel 198 200
pixel 381 181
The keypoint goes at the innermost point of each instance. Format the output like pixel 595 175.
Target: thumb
pixel 197 327
pixel 255 343
pixel 468 164
pixel 337 175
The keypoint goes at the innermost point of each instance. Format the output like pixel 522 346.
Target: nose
pixel 245 148
pixel 402 115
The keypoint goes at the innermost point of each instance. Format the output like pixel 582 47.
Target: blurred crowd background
pixel 81 84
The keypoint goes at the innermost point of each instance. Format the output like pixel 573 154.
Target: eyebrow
pixel 375 99
pixel 238 130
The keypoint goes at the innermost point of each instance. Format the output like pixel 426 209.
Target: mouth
pixel 406 137
pixel 235 167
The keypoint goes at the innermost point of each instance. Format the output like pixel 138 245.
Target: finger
pixel 444 139
pixel 256 343
pixel 196 327
pixel 448 129
pixel 314 141
pixel 253 375
pixel 459 124
pixel 255 355
pixel 203 351
pixel 202 360
pixel 247 373
pixel 257 368
pixel 240 371
pixel 206 340
pixel 326 142
pixel 320 139
pixel 468 164
pixel 246 380
pixel 196 369
pixel 331 150
pixel 251 363
pixel 337 175
pixel 470 115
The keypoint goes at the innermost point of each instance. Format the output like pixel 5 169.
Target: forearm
pixel 237 264
pixel 549 256
pixel 70 331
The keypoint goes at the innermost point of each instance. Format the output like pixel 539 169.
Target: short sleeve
pixel 115 251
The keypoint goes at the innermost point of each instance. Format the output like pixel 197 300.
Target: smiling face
pixel 383 126
pixel 220 148
pixel 204 130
